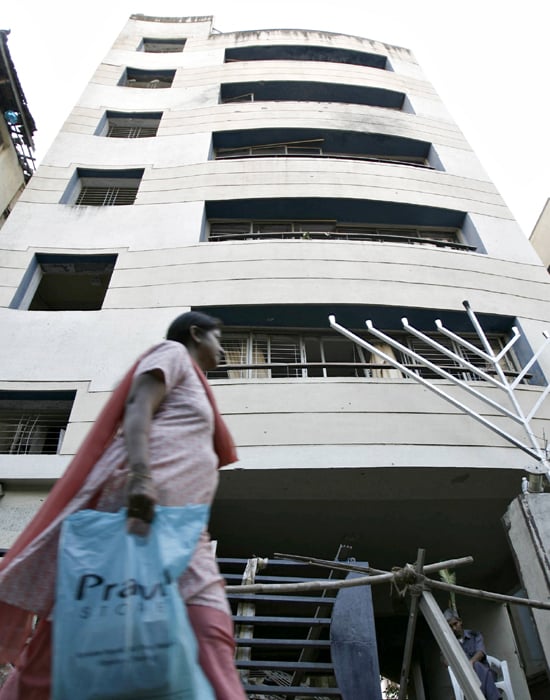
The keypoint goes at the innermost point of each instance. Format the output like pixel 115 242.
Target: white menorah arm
pixel 534 452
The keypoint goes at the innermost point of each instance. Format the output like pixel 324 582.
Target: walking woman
pixel 160 439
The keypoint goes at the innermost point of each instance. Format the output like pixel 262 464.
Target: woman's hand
pixel 141 500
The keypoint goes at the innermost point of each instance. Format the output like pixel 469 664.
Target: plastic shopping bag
pixel 120 628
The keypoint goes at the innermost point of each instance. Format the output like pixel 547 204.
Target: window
pixel 315 143
pixel 292 354
pixel 137 78
pixel 103 188
pixel 34 422
pixel 65 282
pixel 339 218
pixel 302 91
pixel 162 45
pixel 130 125
pixel 304 53
pixel 443 237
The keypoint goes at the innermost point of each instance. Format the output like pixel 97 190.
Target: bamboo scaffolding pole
pixel 311 585
pixel 347 566
pixel 401 577
pixel 486 595
pixel 411 629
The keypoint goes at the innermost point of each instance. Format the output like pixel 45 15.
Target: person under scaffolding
pixel 474 647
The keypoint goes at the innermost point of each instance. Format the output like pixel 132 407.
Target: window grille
pixel 265 355
pixel 127 131
pixel 331 230
pixel 33 426
pixel 136 125
pixel 118 131
pixel 105 196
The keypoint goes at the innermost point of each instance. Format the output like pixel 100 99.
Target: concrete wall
pixel 540 238
pixel 527 522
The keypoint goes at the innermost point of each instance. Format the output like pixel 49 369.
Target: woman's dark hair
pixel 179 329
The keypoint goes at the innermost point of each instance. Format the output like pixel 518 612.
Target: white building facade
pixel 272 178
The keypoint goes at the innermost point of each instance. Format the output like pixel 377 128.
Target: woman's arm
pixel 146 394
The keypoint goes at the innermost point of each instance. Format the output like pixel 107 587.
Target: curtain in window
pixel 235 354
pixel 259 353
pixel 382 373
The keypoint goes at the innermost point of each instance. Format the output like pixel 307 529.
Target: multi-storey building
pixel 16 132
pixel 540 237
pixel 272 178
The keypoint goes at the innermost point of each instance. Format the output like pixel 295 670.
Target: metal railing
pixel 316 370
pixel 310 153
pixel 371 236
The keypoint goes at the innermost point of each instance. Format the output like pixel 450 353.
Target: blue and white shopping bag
pixel 120 628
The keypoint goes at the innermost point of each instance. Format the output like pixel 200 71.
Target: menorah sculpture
pixel 492 373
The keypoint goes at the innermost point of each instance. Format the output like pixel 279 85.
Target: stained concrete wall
pixel 527 522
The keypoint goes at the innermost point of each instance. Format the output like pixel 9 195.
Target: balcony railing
pixel 310 152
pixel 439 239
pixel 372 370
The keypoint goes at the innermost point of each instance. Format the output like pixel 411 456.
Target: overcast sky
pixel 488 59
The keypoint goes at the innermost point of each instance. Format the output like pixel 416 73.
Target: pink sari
pixel 15 622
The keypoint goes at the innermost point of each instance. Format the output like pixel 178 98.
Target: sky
pixel 489 60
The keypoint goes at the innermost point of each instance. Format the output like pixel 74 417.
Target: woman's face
pixel 209 349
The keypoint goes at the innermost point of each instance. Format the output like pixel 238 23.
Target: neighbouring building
pixel 16 131
pixel 272 178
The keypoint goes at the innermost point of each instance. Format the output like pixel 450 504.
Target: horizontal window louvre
pixel 106 196
pixel 119 131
